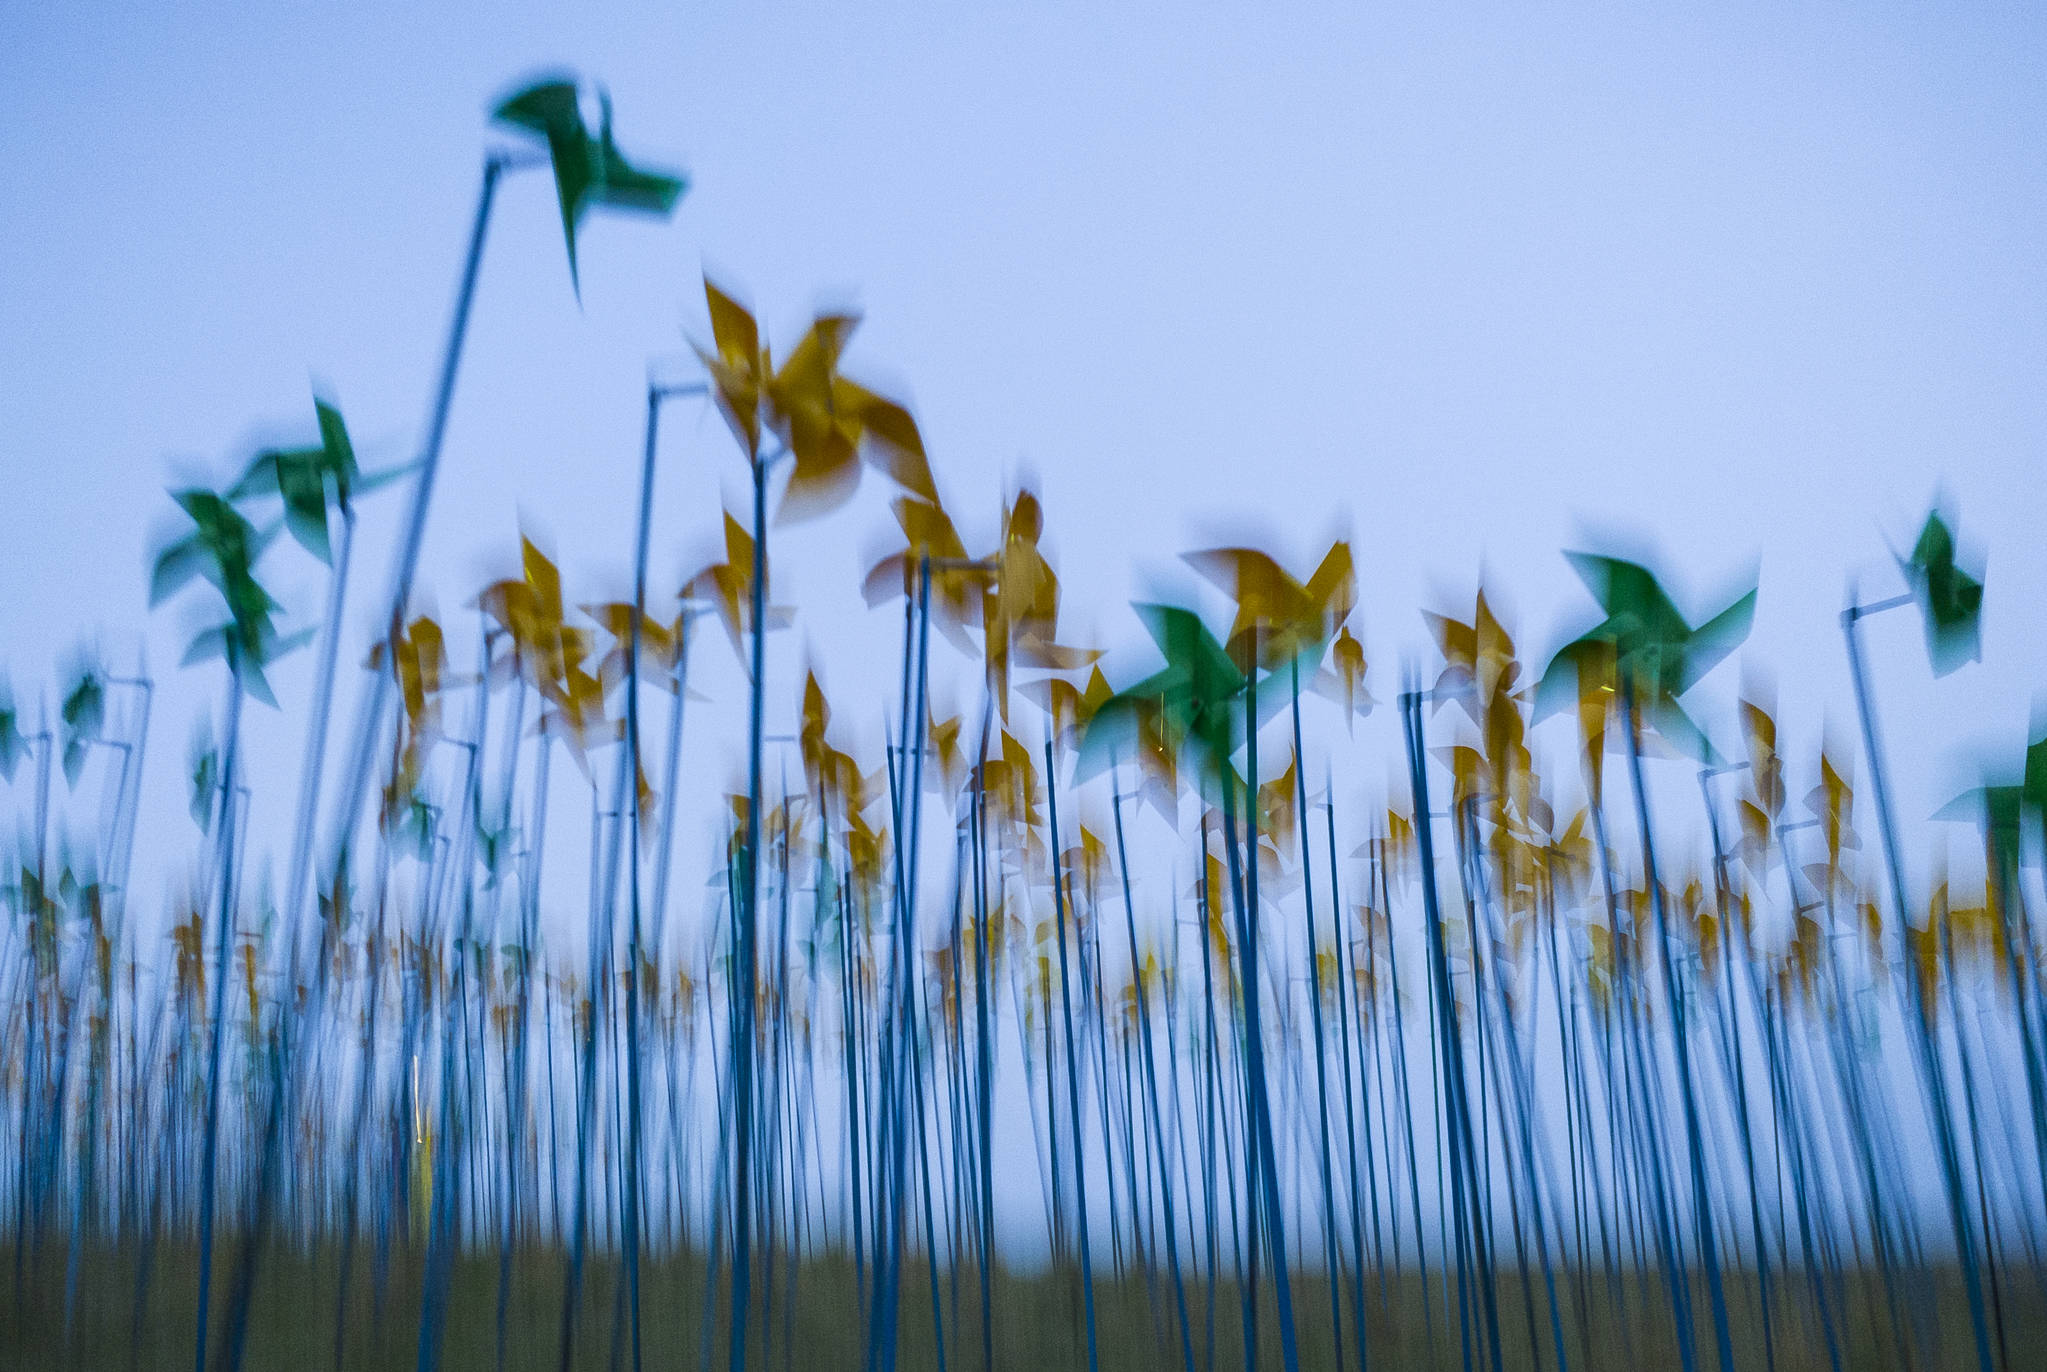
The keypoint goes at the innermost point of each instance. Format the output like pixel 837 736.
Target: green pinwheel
pixel 310 479
pixel 1193 703
pixel 1950 600
pixel 222 550
pixel 2001 808
pixel 587 171
pixel 1646 641
pixel 84 713
pixel 12 744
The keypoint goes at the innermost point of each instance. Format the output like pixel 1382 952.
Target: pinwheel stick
pixel 495 165
pixel 1932 1075
pixel 656 396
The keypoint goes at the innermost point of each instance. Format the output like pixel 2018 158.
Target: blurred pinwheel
pixel 661 645
pixel 834 776
pixel 84 714
pixel 1949 598
pixel 1343 680
pixel 587 171
pixel 1480 674
pixel 1280 620
pixel 728 588
pixel 956 581
pixel 420 662
pixel 222 550
pixel 826 422
pixel 530 613
pixel 1193 703
pixel 1646 641
pixel 307 480
pixel 12 743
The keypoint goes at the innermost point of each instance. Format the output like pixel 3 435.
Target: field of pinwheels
pixel 1082 1023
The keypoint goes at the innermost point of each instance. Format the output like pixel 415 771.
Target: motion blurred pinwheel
pixel 1194 702
pixel 1763 788
pixel 12 744
pixel 1478 659
pixel 84 713
pixel 310 479
pixel 1949 598
pixel 834 776
pixel 661 645
pixel 2002 807
pixel 928 533
pixel 1481 674
pixel 1647 641
pixel 420 660
pixel 1020 611
pixel 530 613
pixel 587 171
pixel 1280 621
pixel 222 550
pixel 1343 680
pixel 825 422
pixel 728 588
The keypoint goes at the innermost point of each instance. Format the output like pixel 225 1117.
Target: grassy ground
pixel 1038 1323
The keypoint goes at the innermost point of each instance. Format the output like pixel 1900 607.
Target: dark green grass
pixel 1037 1319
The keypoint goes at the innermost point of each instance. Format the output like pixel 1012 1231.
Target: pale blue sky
pixel 1756 280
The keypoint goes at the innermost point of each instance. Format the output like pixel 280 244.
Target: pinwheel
pixel 222 550
pixel 661 645
pixel 12 743
pixel 727 587
pixel 544 646
pixel 1020 612
pixel 419 661
pixel 834 776
pixel 1654 655
pixel 1197 696
pixel 930 542
pixel 1343 680
pixel 826 423
pixel 1478 660
pixel 1070 707
pixel 1646 641
pixel 943 738
pixel 588 172
pixel 1950 600
pixel 308 480
pixel 84 713
pixel 1764 802
pixel 1480 674
pixel 1280 620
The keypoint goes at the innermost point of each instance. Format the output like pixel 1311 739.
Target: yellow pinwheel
pixel 825 421
pixel 1279 619
pixel 728 587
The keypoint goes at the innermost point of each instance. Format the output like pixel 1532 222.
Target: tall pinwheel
pixel 314 483
pixel 1200 703
pixel 222 550
pixel 826 424
pixel 1649 651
